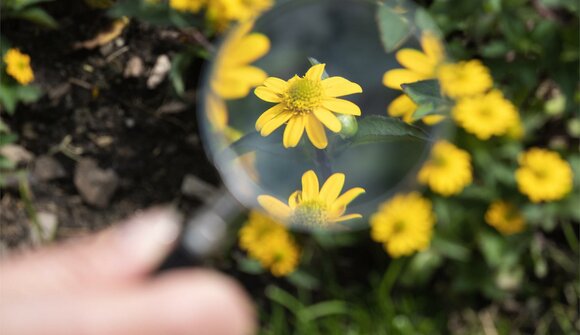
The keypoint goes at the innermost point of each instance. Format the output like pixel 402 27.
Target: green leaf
pixel 29 93
pixel 394 28
pixel 8 97
pixel 302 279
pixel 38 16
pixel 249 265
pixel 378 128
pixel 254 141
pixel 284 298
pixel 425 91
pixel 179 65
pixel 450 249
pixel 322 309
pixel 7 139
pixel 425 22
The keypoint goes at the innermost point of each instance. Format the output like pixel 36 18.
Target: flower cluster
pixel 270 243
pixel 221 13
pixel 404 224
pixel 18 66
pixel 505 217
pixel 448 171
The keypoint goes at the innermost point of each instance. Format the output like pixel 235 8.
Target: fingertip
pixel 206 302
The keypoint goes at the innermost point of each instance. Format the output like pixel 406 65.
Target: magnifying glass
pixel 293 114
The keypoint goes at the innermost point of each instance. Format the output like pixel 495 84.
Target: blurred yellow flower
pixel 221 13
pixel 270 243
pixel 314 206
pixel 543 175
pixel 418 66
pixel 505 217
pixel 486 115
pixel 306 103
pixel 404 224
pixel 192 6
pixel 464 79
pixel 18 66
pixel 233 76
pixel 448 170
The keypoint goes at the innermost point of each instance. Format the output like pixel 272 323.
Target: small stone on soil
pixel 47 168
pixel 95 185
pixel 159 71
pixel 134 68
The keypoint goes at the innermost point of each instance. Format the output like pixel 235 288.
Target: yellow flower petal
pixel 294 199
pixel 416 61
pixel 402 107
pixel 237 83
pixel 338 86
pixel 348 197
pixel 267 94
pixel 248 49
pixel 293 132
pixel 315 132
pixel 309 186
pixel 274 206
pixel 277 85
pixel 431 45
pixel 275 123
pixel 315 72
pixel 268 115
pixel 332 188
pixel 394 78
pixel 328 119
pixel 341 106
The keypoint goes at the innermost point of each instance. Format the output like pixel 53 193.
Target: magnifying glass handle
pixel 204 232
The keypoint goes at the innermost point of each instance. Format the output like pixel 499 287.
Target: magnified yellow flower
pixel 18 66
pixel 464 79
pixel 233 76
pixel 486 115
pixel 270 243
pixel 448 170
pixel 418 66
pixel 306 103
pixel 404 224
pixel 543 175
pixel 505 217
pixel 192 6
pixel 314 206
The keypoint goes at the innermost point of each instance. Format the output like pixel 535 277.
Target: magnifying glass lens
pixel 304 117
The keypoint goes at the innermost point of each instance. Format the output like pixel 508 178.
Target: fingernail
pixel 149 235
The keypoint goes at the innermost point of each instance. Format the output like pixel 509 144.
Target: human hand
pixel 100 285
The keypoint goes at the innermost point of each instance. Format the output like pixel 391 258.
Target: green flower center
pixel 303 96
pixel 309 214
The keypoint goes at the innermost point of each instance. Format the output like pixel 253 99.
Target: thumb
pixel 116 256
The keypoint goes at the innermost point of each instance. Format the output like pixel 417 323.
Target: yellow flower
pixel 221 13
pixel 270 243
pixel 448 170
pixel 543 175
pixel 486 115
pixel 313 206
pixel 192 6
pixel 418 66
pixel 505 217
pixel 306 103
pixel 233 76
pixel 404 107
pixel 404 224
pixel 18 66
pixel 464 79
